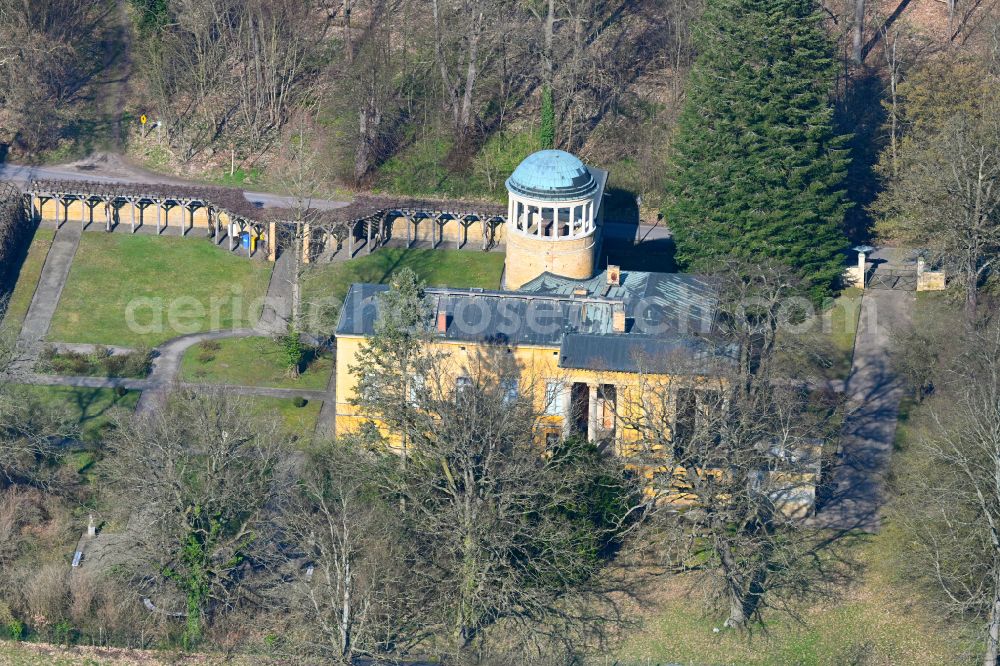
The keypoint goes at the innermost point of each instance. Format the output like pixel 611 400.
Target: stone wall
pixel 854 277
pixel 528 257
pixel 931 281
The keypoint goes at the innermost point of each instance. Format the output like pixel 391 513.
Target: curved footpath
pixel 168 356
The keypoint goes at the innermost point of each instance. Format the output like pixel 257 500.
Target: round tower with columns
pixel 552 218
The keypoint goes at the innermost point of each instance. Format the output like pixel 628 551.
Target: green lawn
pixel 877 620
pixel 166 286
pixel 299 421
pixel 27 279
pixel 91 409
pixel 324 286
pixel 250 362
pixel 826 348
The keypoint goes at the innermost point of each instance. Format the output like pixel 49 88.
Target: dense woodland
pixel 769 135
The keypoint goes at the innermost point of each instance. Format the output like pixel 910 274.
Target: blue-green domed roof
pixel 552 175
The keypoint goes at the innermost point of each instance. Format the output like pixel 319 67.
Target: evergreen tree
pixel 758 170
pixel 547 133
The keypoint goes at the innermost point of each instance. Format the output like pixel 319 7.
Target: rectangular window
pixel 508 389
pixel 462 386
pixel 416 388
pixel 554 398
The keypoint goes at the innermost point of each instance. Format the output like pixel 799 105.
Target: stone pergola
pixel 368 221
pixel 373 220
pixel 223 206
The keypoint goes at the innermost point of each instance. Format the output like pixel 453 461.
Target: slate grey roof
pixel 656 303
pixel 638 353
pixel 667 315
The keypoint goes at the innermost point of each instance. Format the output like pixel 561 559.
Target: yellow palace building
pixel 592 341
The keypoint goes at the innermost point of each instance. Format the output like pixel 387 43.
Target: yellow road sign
pixel 143 119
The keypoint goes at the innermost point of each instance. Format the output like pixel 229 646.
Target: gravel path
pixel 46 297
pixel 873 395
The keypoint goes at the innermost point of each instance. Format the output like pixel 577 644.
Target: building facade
pixel 591 345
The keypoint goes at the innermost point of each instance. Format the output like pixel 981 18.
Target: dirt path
pixel 125 68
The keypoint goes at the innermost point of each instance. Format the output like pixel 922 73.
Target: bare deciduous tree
pixel 505 531
pixel 950 505
pixel 947 197
pixel 199 481
pixel 356 588
pixel 731 447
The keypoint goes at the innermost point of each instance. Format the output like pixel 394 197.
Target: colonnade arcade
pixel 225 213
pixel 370 222
pixel 587 408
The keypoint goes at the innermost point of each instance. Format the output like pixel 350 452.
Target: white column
pixel 567 405
pixel 541 217
pixel 592 413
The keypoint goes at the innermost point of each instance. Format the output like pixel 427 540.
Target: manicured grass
pixel 91 409
pixel 844 320
pixel 325 286
pixel 169 286
pixel 826 347
pixel 251 362
pixel 299 421
pixel 875 621
pixel 27 279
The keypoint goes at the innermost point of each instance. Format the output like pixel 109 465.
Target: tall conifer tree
pixel 758 170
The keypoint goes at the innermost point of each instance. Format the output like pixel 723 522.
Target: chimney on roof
pixel 442 321
pixel 618 318
pixel 614 275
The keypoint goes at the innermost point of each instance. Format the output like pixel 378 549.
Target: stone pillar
pixel 159 213
pixel 91 527
pixel 368 236
pixel 132 211
pixel 567 396
pixel 619 438
pixel 272 241
pixel 592 413
pixel 306 237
